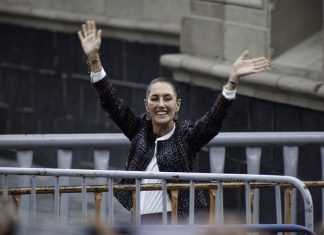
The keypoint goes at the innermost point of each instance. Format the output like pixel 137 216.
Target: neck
pixel 161 130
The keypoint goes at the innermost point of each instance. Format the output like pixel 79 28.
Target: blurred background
pixel 45 86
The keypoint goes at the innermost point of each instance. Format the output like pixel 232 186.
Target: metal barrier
pixel 218 179
pixel 253 142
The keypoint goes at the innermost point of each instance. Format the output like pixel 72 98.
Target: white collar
pixel 166 136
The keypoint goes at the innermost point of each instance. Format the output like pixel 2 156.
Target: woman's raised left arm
pixel 208 126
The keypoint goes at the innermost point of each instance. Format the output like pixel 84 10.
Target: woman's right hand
pixel 90 39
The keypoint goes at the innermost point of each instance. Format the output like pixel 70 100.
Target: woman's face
pixel 162 104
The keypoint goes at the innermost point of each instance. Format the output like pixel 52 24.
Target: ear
pixel 178 104
pixel 146 105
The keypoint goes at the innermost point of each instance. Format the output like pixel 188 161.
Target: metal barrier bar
pixel 149 187
pixel 84 199
pixel 192 203
pixel 110 201
pixel 5 187
pixel 33 198
pixel 56 200
pixel 278 204
pixel 152 175
pixel 138 201
pixel 164 203
pixel 252 199
pixel 62 140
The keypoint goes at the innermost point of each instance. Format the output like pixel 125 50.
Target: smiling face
pixel 162 103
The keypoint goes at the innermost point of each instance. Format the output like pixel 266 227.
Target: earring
pixel 148 116
pixel 176 116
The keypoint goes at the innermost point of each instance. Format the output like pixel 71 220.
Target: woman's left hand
pixel 244 66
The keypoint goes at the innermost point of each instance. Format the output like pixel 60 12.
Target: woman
pixel 159 142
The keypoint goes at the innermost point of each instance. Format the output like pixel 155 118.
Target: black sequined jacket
pixel 176 154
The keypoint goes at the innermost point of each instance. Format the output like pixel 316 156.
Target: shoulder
pixel 145 125
pixel 185 126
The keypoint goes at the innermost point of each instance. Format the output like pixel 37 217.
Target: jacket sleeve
pixel 207 127
pixel 115 107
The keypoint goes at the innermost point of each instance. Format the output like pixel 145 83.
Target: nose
pixel 161 103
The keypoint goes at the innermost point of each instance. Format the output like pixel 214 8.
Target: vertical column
pixel 217 163
pixel 25 159
pixel 290 154
pixel 64 161
pixel 253 157
pixel 217 159
pixel 101 160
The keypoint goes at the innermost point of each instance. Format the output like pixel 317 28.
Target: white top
pixel 151 201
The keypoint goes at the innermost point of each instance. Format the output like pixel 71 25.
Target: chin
pixel 159 121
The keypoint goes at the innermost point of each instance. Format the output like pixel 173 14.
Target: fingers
pixel 262 63
pixel 88 28
pixel 84 30
pixel 259 70
pixel 99 33
pixel 91 26
pixel 259 59
pixel 80 35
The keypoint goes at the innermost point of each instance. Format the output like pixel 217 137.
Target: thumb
pixel 99 33
pixel 245 54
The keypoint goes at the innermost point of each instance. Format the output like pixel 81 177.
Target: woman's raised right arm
pixel 122 115
pixel 90 39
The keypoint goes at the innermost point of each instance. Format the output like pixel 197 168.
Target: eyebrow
pixel 156 95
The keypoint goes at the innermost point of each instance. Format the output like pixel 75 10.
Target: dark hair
pixel 170 81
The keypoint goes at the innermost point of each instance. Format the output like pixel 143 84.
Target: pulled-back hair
pixel 170 81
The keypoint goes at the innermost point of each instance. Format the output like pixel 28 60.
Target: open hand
pixel 90 39
pixel 244 66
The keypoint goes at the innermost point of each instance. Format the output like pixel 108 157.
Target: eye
pixel 154 98
pixel 168 98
